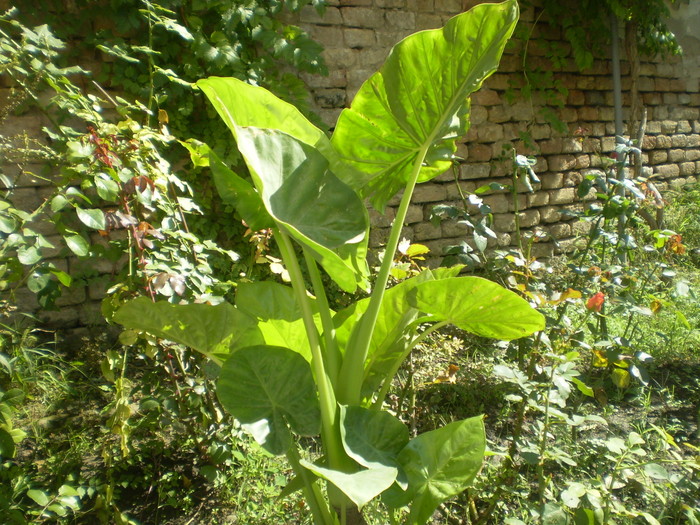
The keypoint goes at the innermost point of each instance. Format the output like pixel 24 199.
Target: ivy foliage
pixel 153 50
pixel 586 25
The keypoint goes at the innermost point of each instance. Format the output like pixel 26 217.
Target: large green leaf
pixel 240 194
pixel 389 342
pixel 361 486
pixel 373 438
pixel 440 464
pixel 278 314
pixel 310 202
pixel 241 105
pixel 478 306
pixel 419 99
pixel 211 330
pixel 267 388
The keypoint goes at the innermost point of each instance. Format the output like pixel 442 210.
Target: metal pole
pixel 617 80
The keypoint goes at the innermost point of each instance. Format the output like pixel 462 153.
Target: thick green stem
pixel 314 498
pixel 331 354
pixel 351 373
pixel 331 438
pixel 379 401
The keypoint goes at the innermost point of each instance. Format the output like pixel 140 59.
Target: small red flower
pixel 595 302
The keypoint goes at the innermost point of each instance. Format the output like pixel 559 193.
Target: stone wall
pixel 358 34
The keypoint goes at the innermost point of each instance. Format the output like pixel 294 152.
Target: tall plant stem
pixel 541 481
pixel 331 439
pixel 516 210
pixel 314 498
pixel 379 401
pixel 351 372
pixel 332 354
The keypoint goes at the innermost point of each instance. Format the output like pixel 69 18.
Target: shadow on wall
pixel 684 22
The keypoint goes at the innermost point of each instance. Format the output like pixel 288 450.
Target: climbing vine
pixel 584 33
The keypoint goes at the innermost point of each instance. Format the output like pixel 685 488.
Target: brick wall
pixel 358 34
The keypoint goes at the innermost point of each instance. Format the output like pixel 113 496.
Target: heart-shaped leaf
pixel 373 438
pixel 417 103
pixel 362 486
pixel 242 105
pixel 440 464
pixel 267 388
pixel 478 306
pixel 279 317
pixel 211 330
pixel 310 202
pixel 240 194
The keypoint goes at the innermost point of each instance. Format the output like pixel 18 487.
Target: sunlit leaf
pixel 267 388
pixel 418 101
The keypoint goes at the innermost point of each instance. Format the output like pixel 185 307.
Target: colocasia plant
pixel 289 365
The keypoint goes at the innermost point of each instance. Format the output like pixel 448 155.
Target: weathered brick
pixel 504 222
pixel 539 198
pixel 663 142
pixel 454 229
pixel 448 6
pixel 684 126
pixel 548 147
pixel 692 154
pixel 608 144
pixel 572 178
pixel 355 3
pixel 327 36
pixel 499 114
pixel 540 131
pixel 488 132
pixel 550 214
pixel 361 17
pixel 480 153
pixel 676 155
pixel 658 156
pixel 562 196
pixel 669 127
pixel 559 231
pixel 359 37
pixel 588 114
pixel 414 214
pixel 552 180
pixel 571 145
pixel 580 228
pixel 479 115
pixel 428 21
pixel 342 57
pixel 335 78
pixel 429 193
pixel 390 3
pixel 561 162
pixel 486 97
pixel 667 171
pixel 529 218
pixel 400 19
pixel 475 171
pixel 426 231
pixel 499 203
pixel 331 16
pixel 687 168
